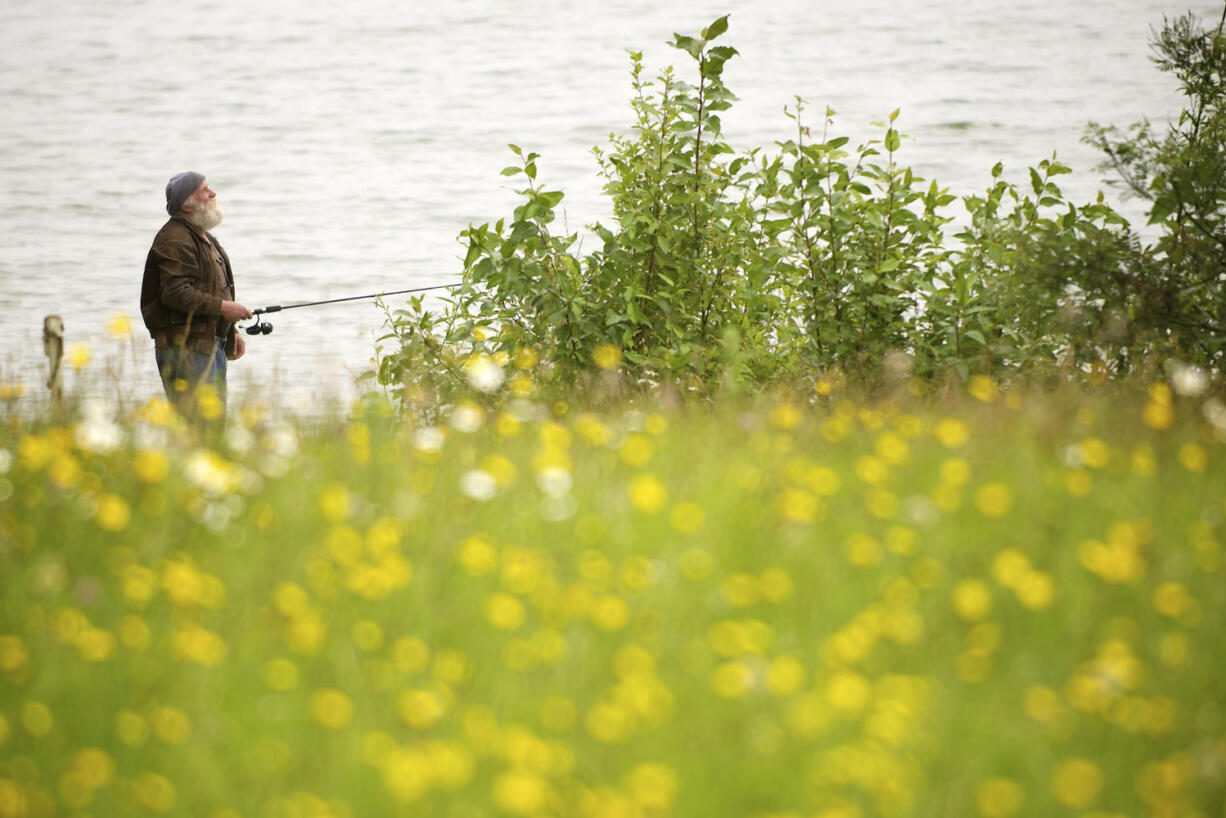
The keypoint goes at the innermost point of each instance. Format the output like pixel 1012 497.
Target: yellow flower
pixel 119 326
pixel 972 600
pixel 608 723
pixel 609 612
pixel 686 518
pixel 1077 783
pixel 132 729
pixel 647 493
pixel 993 499
pixel 848 692
pixel 331 708
pixel 149 466
pixel 785 675
pixel 421 709
pixel 112 513
pixel 527 358
pixel 13 654
pixel 78 355
pixel 798 506
pixel 653 786
pixel 636 450
pixel 171 725
pixel 281 675
pixel 334 502
pixel 154 792
pixel 607 357
pixel 521 793
pixel 410 655
pixel 504 612
pixel 36 718
pixel 732 680
pixel 1094 453
pixel 999 798
pixel 785 416
pixel 1193 457
pixel 1041 704
pixel 983 388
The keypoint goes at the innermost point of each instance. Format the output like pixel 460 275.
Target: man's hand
pixel 233 311
pixel 240 346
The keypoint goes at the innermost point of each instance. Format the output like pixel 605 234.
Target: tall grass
pixel 987 602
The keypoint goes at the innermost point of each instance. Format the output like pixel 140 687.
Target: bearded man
pixel 187 301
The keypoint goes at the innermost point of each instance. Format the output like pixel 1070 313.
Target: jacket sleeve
pixel 179 277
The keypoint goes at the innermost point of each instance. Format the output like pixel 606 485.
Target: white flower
pixel 484 374
pixel 479 485
pixel 1189 381
pixel 554 481
pixel 429 439
pixel 211 472
pixel 466 418
pixel 97 431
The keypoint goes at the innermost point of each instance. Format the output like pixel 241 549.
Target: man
pixel 187 301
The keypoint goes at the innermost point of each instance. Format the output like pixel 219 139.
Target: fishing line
pixel 264 328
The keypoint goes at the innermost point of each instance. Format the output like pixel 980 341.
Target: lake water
pixel 351 142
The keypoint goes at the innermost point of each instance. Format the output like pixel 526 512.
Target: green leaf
pixel 715 29
pixel 997 169
pixel 894 114
pixel 511 170
pixel 892 140
pixel 530 169
pixel 689 44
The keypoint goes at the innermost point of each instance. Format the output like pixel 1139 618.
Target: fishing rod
pixel 264 328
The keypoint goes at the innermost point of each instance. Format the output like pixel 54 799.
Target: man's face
pixel 201 196
pixel 201 207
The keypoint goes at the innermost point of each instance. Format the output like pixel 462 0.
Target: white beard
pixel 206 217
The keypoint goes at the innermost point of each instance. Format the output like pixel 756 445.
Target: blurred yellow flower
pixel 334 502
pixel 149 466
pixel 119 326
pixel 732 680
pixel 653 786
pixel 607 357
pixel 983 388
pixel 636 450
pixel 420 708
pixel 170 725
pixel 504 612
pixel 1041 704
pixel 281 675
pixel 686 518
pixel 410 655
pixel 609 612
pixel 1077 783
pixel 608 723
pixel 999 798
pixel 785 416
pixel 647 493
pixel 848 692
pixel 154 792
pixel 994 499
pixel 36 718
pixel 112 513
pixel 131 728
pixel 13 654
pixel 951 433
pixel 1193 457
pixel 331 708
pixel 785 675
pixel 1094 453
pixel 972 600
pixel 78 355
pixel 521 793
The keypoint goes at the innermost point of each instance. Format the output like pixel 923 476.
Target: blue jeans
pixel 184 371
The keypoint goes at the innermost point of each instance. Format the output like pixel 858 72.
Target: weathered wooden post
pixel 53 345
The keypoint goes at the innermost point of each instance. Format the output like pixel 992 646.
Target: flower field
pixel 990 602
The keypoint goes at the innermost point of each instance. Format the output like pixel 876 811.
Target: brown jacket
pixel 180 296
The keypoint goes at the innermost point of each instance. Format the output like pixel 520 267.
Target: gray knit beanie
pixel 180 186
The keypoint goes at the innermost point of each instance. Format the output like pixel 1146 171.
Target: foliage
pixel 988 601
pixel 1173 295
pixel 728 270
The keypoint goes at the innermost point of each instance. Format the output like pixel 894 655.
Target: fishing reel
pixel 262 327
